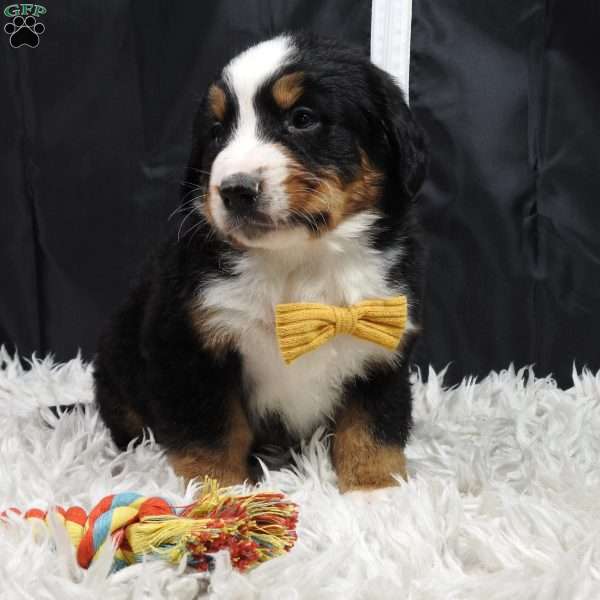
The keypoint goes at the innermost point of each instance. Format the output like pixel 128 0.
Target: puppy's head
pixel 297 135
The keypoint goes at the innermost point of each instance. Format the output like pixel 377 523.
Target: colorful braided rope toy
pixel 254 528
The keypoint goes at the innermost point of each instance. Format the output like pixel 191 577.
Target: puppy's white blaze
pixel 245 151
pixel 339 268
pixel 248 71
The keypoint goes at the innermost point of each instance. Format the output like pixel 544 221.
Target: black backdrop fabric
pixel 95 133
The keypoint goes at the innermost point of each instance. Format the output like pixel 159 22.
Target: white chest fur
pixel 340 269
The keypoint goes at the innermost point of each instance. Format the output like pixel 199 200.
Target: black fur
pixel 150 362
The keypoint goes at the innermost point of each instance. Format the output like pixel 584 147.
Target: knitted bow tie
pixel 302 327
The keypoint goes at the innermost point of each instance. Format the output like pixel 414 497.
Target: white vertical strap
pixel 390 38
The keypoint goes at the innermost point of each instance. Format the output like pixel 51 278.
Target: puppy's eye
pixel 302 119
pixel 216 132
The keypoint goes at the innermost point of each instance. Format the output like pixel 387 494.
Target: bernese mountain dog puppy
pixel 302 178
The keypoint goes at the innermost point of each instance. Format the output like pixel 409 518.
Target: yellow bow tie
pixel 302 327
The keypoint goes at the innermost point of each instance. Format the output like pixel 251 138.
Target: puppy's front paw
pixel 363 462
pixel 371 481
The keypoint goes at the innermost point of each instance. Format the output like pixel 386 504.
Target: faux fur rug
pixel 503 501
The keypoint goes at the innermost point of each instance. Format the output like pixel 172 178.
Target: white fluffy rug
pixel 503 500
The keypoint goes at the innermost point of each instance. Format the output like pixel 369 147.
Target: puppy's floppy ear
pixel 403 136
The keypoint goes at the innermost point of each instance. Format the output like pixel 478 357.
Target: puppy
pixel 301 180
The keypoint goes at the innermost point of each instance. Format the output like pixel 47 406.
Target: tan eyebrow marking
pixel 288 88
pixel 217 101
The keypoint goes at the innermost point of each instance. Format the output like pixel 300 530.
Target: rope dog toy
pixel 254 528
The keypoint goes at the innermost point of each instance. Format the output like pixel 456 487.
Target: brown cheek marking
pixel 304 198
pixel 229 464
pixel 331 193
pixel 217 101
pixel 363 193
pixel 313 197
pixel 324 195
pixel 287 89
pixel 361 462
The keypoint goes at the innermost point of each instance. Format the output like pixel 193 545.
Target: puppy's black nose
pixel 240 192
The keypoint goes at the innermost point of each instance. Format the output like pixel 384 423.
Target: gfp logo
pixel 24 29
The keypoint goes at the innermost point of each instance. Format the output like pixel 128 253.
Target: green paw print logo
pixel 25 28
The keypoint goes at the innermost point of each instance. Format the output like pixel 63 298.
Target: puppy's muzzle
pixel 240 193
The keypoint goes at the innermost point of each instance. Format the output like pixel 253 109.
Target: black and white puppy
pixel 304 167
